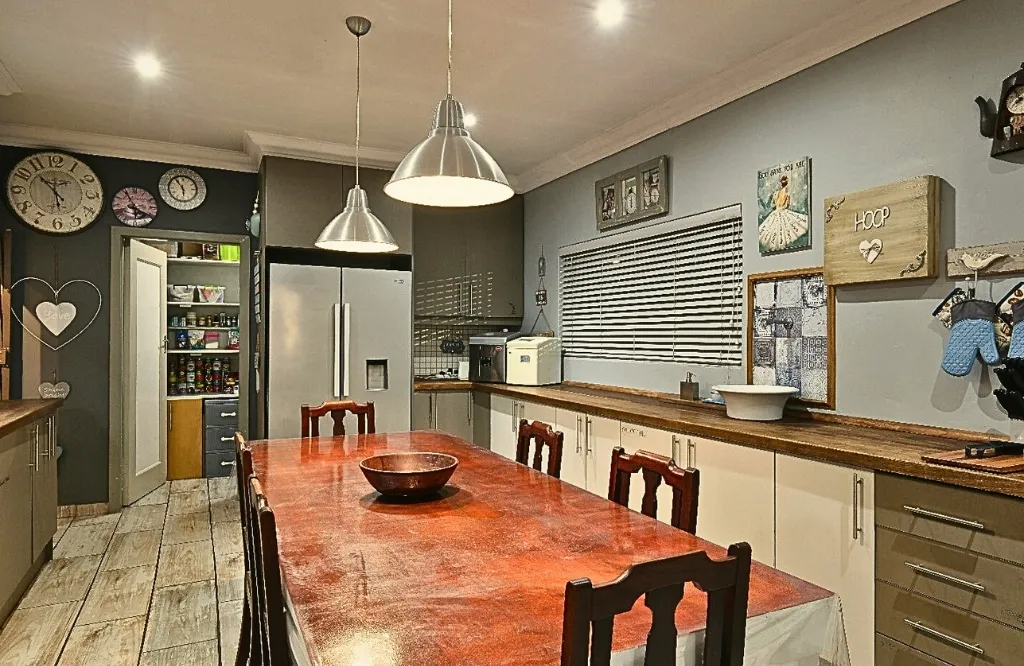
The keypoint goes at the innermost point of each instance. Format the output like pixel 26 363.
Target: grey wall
pixel 84 419
pixel 896 107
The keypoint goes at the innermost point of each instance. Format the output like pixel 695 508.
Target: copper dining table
pixel 475 575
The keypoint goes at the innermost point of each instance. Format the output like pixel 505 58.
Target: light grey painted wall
pixel 896 107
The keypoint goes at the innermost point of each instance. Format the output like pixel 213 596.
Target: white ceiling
pixel 553 91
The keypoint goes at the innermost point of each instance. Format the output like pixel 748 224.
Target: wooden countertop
pixel 443 385
pixel 876 445
pixel 475 577
pixel 17 413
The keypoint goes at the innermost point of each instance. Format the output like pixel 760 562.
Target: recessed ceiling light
pixel 147 66
pixel 469 119
pixel 610 12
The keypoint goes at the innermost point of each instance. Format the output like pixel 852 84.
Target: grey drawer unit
pixel 893 653
pixel 961 578
pixel 221 412
pixel 976 521
pixel 949 634
pixel 218 439
pixel 218 463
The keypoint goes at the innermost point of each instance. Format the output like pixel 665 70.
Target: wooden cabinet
pixel 825 517
pixel 468 262
pixel 16 556
pixel 44 485
pixel 634 438
pixel 422 410
pixel 184 439
pixel 737 494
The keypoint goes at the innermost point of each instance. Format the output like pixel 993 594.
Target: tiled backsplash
pixel 428 359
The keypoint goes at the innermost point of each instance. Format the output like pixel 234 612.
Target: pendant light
pixel 356 229
pixel 449 168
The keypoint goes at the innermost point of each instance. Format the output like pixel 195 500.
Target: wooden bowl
pixel 408 474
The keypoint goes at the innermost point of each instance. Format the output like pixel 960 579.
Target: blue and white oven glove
pixel 1017 341
pixel 973 333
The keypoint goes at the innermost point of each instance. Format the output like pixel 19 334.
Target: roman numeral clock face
pixel 55 193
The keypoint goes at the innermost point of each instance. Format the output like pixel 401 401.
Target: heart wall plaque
pixel 59 390
pixel 55 315
pixel 871 249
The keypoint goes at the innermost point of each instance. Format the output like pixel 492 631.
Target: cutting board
pixel 956 458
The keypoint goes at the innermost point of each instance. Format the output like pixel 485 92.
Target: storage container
pixel 533 361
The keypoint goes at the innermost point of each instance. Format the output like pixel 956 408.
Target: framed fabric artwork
pixel 784 208
pixel 632 195
pixel 791 334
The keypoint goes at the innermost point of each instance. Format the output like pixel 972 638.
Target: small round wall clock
pixel 134 206
pixel 55 193
pixel 183 189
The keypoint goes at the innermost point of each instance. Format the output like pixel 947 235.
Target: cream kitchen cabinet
pixel 825 535
pixel 737 493
pixel 505 416
pixel 587 449
pixel 448 411
pixel 634 438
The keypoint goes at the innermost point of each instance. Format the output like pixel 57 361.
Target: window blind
pixel 674 295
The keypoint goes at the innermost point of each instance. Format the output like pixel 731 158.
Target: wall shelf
pixel 200 262
pixel 202 351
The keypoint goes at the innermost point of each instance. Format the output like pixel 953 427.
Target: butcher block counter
pixel 881 446
pixel 15 414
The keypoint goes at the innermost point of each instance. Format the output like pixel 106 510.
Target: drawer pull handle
pixel 225 463
pixel 977 587
pixel 935 633
pixel 226 439
pixel 925 513
pixel 224 415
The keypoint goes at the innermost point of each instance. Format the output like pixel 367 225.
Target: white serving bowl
pixel 754 403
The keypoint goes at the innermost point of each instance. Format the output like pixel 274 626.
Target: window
pixel 671 293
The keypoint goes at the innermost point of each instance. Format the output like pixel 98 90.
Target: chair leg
pixel 244 638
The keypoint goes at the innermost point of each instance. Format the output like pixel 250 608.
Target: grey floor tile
pixel 188 502
pixel 230 627
pixel 225 510
pixel 187 527
pixel 118 594
pixel 194 654
pixel 158 496
pixel 227 538
pixel 225 487
pixel 142 518
pixel 62 526
pixel 182 614
pixel 230 576
pixel 61 581
pixel 80 541
pixel 100 519
pixel 185 563
pixel 187 485
pixel 132 549
pixel 35 636
pixel 115 643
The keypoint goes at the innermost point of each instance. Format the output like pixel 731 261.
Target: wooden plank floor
pixel 159 583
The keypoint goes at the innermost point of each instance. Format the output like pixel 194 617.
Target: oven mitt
pixel 973 332
pixel 1017 341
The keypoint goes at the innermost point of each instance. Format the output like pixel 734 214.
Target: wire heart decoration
pixel 57 316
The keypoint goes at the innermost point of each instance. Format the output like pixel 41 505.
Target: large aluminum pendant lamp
pixel 449 168
pixel 356 229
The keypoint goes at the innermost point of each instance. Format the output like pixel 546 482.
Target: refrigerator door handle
pixel 337 349
pixel 346 316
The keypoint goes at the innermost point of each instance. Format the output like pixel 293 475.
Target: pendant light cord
pixel 449 48
pixel 358 100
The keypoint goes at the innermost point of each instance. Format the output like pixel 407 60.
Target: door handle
pixel 226 463
pixel 586 430
pixel 53 436
pixel 226 439
pixel 977 587
pixel 431 416
pixel 691 453
pixel 225 415
pixel 858 483
pixel 675 451
pixel 935 515
pixel 470 297
pixel 34 463
pixel 579 427
pixel 346 316
pixel 469 408
pixel 170 418
pixel 935 633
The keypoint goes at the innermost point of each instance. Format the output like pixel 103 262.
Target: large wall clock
pixel 55 193
pixel 182 188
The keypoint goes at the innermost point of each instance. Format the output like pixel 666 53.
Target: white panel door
pixel 145 399
pixel 503 425
pixel 601 436
pixel 825 534
pixel 574 457
pixel 736 501
pixel 634 438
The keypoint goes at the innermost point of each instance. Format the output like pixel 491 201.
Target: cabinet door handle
pixel 675 448
pixel 35 451
pixel 579 427
pixel 857 485
pixel 935 515
pixel 170 418
pixel 977 587
pixel 430 411
pixel 469 408
pixel 226 439
pixel 691 453
pixel 471 297
pixel 225 415
pixel 586 430
pixel 935 633
pixel 53 436
pixel 226 463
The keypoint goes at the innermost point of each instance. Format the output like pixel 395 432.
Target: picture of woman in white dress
pixel 783 227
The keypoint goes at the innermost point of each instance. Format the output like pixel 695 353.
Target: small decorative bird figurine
pixel 980 262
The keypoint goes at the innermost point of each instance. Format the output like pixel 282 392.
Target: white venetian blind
pixel 672 292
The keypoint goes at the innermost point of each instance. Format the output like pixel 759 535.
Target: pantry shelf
pixel 201 305
pixel 202 351
pixel 200 262
pixel 202 396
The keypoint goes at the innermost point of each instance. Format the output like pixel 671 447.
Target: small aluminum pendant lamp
pixel 356 229
pixel 449 168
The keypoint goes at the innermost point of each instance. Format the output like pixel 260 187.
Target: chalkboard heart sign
pixel 55 315
pixel 59 390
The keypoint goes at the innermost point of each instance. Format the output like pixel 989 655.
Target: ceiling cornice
pixel 87 143
pixel 8 86
pixel 862 22
pixel 259 145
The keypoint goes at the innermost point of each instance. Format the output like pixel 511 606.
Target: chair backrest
pixel 270 609
pixel 338 409
pixel 655 468
pixel 726 583
pixel 543 434
pixel 243 470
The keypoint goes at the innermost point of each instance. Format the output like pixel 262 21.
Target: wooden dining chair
pixel 654 469
pixel 542 434
pixel 338 410
pixel 592 609
pixel 243 470
pixel 270 609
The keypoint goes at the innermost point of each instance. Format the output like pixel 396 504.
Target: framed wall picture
pixel 784 207
pixel 791 326
pixel 632 195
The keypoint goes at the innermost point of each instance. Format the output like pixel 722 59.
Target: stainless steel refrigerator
pixel 337 332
